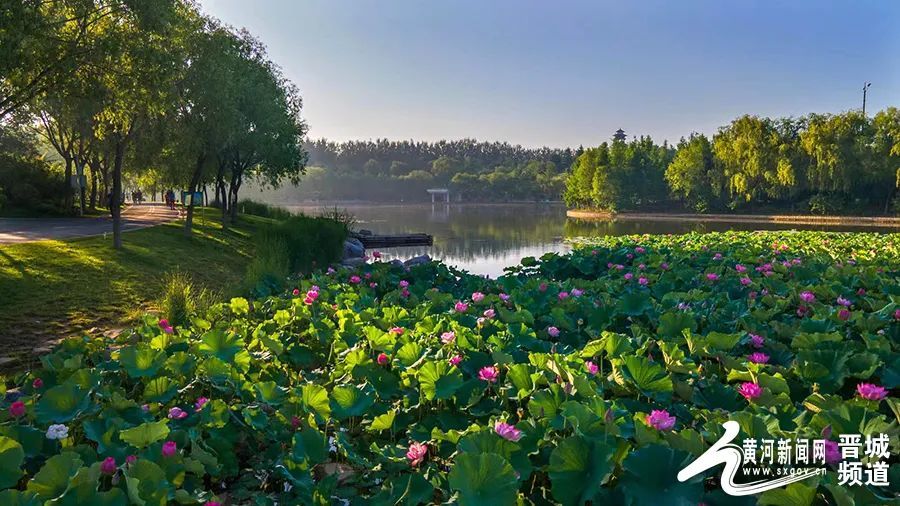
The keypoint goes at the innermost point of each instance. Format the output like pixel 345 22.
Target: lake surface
pixel 485 238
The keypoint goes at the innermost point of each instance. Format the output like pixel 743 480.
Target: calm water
pixel 484 239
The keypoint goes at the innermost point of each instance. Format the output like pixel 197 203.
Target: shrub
pixel 270 267
pixel 264 210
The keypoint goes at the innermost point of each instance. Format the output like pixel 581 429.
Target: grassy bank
pixel 52 289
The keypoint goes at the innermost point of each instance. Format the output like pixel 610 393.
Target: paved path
pixel 18 230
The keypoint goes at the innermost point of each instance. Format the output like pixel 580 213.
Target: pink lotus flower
pixel 17 409
pixel 355 280
pixel 404 284
pixel 477 297
pixel 553 331
pixel 563 295
pixel 163 323
pixel 740 268
pixel 717 256
pixel 212 503
pixel 897 314
pixel 629 256
pixel 397 330
pixel 330 271
pixel 504 297
pixel 416 453
pixel 169 448
pixel 168 330
pixel 844 302
pixel 37 384
pixel 382 359
pixel 295 292
pixel 489 374
pixel 746 281
pixel 664 266
pixel 628 276
pixel 641 267
pixel 757 341
pixel 577 292
pixel 832 452
pixel 542 287
pixel 177 413
pixel 843 315
pixel 461 307
pixel 871 392
pixel 802 311
pixel 507 431
pixel 752 295
pixel 489 314
pixel 198 405
pixel 404 293
pixel 448 337
pixel 750 390
pixel 455 360
pixel 311 297
pixel 861 292
pixel 660 420
pixel 712 276
pixel 639 250
pixel 643 281
pixel 591 368
pixel 131 459
pixel 376 254
pixel 367 275
pixel 373 284
pixel 807 297
pixel 758 358
pixel 108 466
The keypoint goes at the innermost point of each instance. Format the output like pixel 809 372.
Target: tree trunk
pixel 94 178
pixel 67 185
pixel 195 181
pixel 890 198
pixel 79 170
pixel 116 193
pixel 233 197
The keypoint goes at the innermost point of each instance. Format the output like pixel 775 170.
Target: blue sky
pixel 564 73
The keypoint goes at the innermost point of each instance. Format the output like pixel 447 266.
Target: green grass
pixel 53 289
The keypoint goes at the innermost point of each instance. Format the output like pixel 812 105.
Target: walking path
pixel 18 230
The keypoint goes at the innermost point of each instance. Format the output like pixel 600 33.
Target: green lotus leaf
pixel 62 403
pixel 145 434
pixel 650 477
pixel 11 458
pixel 439 380
pixel 578 468
pixel 347 401
pixel 484 478
pixel 141 361
pixel 52 480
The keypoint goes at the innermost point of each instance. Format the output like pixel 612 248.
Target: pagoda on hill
pixel 619 135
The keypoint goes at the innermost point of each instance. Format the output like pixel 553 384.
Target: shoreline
pixel 870 221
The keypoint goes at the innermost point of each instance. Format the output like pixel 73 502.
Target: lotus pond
pixel 593 376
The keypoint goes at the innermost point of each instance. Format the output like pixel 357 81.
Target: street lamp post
pixel 865 90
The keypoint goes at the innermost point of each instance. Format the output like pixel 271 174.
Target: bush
pixel 293 245
pixel 823 204
pixel 270 268
pixel 264 210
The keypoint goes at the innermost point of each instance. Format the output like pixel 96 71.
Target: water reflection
pixel 484 239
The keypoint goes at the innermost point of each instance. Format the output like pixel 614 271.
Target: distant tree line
pixel 149 95
pixel 820 163
pixel 394 170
